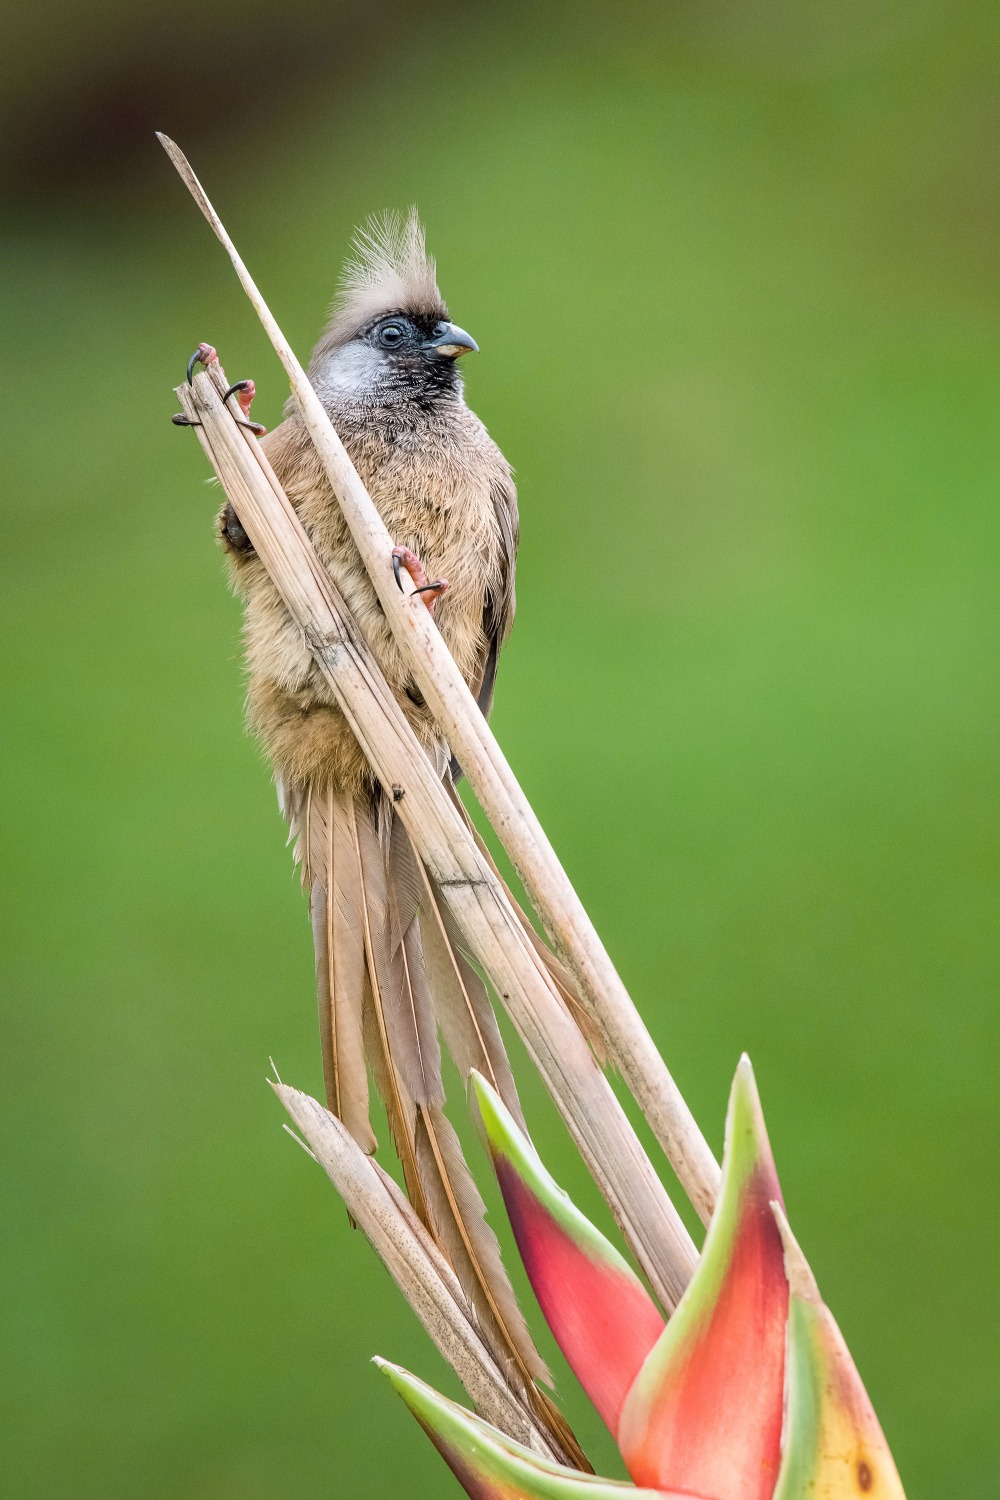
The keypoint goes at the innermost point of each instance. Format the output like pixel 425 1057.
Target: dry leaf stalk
pixel 562 914
pixel 417 1266
pixel 474 894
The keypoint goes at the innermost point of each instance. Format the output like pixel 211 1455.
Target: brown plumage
pixel 441 485
pixel 389 963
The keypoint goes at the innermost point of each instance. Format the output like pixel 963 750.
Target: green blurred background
pixel 733 270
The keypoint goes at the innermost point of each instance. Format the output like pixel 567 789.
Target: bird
pixel 391 968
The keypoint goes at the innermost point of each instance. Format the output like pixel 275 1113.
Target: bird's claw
pixel 203 355
pixel 244 390
pixel 402 557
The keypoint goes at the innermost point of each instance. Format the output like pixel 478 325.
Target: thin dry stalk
pixel 413 1260
pixel 582 1094
pixel 453 706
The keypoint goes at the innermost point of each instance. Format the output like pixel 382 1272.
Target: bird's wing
pixel 498 611
pixel 504 496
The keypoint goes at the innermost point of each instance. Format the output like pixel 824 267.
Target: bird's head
pixel 390 341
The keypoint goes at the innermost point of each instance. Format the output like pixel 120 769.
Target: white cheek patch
pixel 355 368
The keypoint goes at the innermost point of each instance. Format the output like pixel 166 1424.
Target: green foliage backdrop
pixel 733 274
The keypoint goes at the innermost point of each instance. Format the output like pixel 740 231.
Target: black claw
pixel 255 427
pixel 395 572
pixel 196 356
pixel 426 586
pixel 180 420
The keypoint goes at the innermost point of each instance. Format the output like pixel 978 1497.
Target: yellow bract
pixel 832 1445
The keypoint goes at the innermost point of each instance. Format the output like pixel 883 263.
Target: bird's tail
pixel 391 974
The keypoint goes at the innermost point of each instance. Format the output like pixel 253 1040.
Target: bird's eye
pixel 440 329
pixel 391 335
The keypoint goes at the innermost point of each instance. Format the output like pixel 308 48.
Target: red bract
pixel 601 1315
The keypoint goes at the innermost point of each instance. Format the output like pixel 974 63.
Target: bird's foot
pixel 203 355
pixel 402 557
pixel 244 391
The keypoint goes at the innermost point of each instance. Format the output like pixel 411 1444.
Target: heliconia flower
pixel 601 1315
pixel 704 1413
pixel 748 1393
pixel 834 1448
pixel 491 1466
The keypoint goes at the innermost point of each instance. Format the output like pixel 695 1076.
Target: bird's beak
pixel 452 342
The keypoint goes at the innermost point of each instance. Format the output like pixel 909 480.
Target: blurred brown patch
pixel 85 106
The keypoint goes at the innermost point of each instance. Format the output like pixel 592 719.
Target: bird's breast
pixel 434 498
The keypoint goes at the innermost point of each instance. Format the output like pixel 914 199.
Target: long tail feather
pixel 539 1406
pixel 458 1217
pixel 405 1003
pixel 319 820
pixel 390 968
pixel 381 1020
pixel 461 1002
pixel 456 1210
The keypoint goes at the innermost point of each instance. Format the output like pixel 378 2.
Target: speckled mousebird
pixel 389 965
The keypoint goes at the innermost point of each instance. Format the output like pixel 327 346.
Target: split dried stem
pixel 469 886
pixel 417 1266
pixel 463 726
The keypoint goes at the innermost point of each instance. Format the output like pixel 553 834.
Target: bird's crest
pixel 389 270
